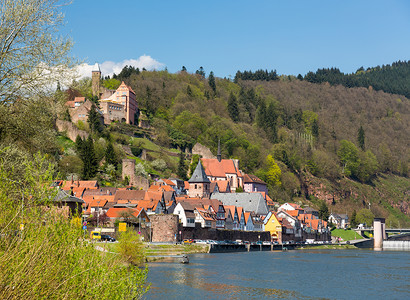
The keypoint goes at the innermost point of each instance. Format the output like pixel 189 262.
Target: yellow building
pixel 272 224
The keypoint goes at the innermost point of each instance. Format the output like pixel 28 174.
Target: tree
pixel 183 69
pixel 32 55
pixel 110 158
pixel 233 108
pixel 181 171
pixel 353 222
pixel 315 128
pixel 85 150
pixel 200 72
pixel 365 216
pixel 94 120
pixel 361 138
pixel 349 157
pixel 211 81
pixel 273 175
pixel 323 211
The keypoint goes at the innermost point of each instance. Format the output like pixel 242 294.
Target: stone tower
pixel 199 183
pixel 128 170
pixel 96 77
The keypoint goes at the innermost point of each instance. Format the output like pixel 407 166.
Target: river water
pixel 298 274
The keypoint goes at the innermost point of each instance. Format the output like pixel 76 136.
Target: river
pixel 298 274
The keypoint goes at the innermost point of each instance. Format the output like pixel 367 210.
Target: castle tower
pixel 128 170
pixel 96 77
pixel 199 184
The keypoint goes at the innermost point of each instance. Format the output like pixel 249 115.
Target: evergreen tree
pixel 110 155
pixel 183 69
pixel 211 81
pixel 94 120
pixel 233 108
pixel 315 128
pixel 181 172
pixel 89 159
pixel 200 72
pixel 323 212
pixel 360 138
pixel 353 222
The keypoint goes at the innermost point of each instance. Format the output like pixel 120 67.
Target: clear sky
pixel 225 36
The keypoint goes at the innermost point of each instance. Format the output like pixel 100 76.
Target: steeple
pixel 219 156
pixel 199 175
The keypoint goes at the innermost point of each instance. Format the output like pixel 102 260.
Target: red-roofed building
pixel 223 169
pixel 251 183
pixel 205 218
pixel 128 215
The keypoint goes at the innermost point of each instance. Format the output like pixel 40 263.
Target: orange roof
pixel 98 203
pixel 115 212
pixel 78 191
pixel 293 213
pixel 90 198
pixel 168 182
pixel 294 205
pixel 186 185
pixel 147 204
pixel 247 214
pixel 231 208
pixel 89 184
pixel 205 215
pixel 240 211
pixel 223 186
pixel 151 195
pixel 248 178
pixel 215 168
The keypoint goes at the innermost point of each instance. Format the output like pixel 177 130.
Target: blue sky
pixel 225 36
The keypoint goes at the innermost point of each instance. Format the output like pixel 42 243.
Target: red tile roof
pixel 129 195
pixel 249 178
pixel 215 168
pixel 114 212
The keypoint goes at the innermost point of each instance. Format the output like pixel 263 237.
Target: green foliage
pixel 130 247
pixel 349 157
pixel 233 108
pixel 323 211
pixel 274 173
pixel 49 258
pixel 182 170
pixel 94 120
pixel 159 164
pixel 211 81
pixel 110 157
pixel 111 83
pixel 361 138
pixel 365 216
pixel 353 219
pixel 194 163
pixel 85 150
pixel 191 124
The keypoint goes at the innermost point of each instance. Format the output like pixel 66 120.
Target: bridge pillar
pixel 379 233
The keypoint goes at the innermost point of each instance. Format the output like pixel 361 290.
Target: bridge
pixel 361 231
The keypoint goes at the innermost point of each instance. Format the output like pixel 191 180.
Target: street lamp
pixel 98 213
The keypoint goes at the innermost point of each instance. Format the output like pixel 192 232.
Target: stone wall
pixel 164 228
pixel 70 129
pixel 128 170
pixel 221 235
pixel 203 151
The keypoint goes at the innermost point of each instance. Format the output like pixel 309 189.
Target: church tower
pixel 96 77
pixel 199 183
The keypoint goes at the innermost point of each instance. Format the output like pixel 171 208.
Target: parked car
pixel 107 238
pixel 266 243
pixel 188 241
pixel 95 235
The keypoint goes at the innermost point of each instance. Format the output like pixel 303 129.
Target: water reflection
pixel 338 274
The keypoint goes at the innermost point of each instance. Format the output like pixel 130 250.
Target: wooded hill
pixel 348 139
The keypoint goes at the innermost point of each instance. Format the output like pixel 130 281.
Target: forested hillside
pixel 286 130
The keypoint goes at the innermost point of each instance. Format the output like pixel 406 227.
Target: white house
pixel 340 220
pixel 185 213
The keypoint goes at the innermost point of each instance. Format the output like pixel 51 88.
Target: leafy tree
pixel 30 49
pixel 194 163
pixel 273 174
pixel 361 137
pixel 349 157
pixel 315 128
pixel 211 81
pixel 111 83
pixel 365 216
pixel 181 171
pixel 233 108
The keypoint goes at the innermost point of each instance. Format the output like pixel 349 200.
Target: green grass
pixel 346 235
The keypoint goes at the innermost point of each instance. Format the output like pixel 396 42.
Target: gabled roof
pixel 147 204
pixel 249 201
pixel 168 182
pixel 215 168
pixel 199 175
pixel 89 184
pixel 249 178
pixel 116 212
pixel 186 185
pixel 90 198
pixel 240 210
pixel 96 68
pixel 63 196
pixel 98 203
pixel 204 214
pixel 153 196
pixel 247 217
pixel 129 195
pixel 100 191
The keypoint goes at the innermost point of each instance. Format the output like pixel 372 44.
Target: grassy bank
pixel 346 235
